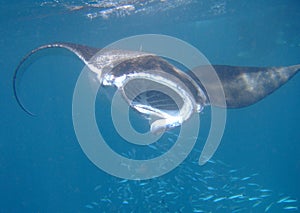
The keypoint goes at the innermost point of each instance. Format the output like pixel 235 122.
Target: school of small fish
pixel 214 187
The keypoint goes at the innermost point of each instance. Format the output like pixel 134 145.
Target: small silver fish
pixel 89 206
pixel 265 190
pixel 236 196
pixel 283 199
pixel 269 206
pixel 97 187
pixel 219 199
pixel 256 204
pixel 246 178
pixel 198 210
pixel 143 184
pixel 290 201
pixel 291 208
pixel 253 184
pixel 170 193
pixel 254 198
pixel 207 198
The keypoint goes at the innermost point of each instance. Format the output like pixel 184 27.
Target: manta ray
pixel 242 86
pixel 154 87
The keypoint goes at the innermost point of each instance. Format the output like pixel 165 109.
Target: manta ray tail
pixel 84 53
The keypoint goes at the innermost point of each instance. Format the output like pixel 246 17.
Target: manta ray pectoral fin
pixel 84 53
pixel 244 86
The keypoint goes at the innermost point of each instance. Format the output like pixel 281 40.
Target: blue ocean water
pixel 43 169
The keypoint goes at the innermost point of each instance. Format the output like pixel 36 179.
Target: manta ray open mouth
pixel 154 87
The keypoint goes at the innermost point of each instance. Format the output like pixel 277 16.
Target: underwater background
pixel 42 167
